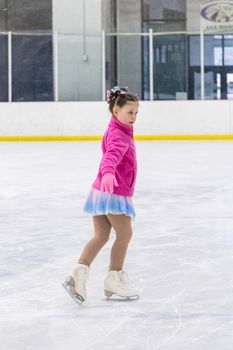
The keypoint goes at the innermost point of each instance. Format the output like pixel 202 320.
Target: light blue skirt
pixel 103 203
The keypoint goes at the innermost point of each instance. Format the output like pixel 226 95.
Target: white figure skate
pixel 75 283
pixel 117 282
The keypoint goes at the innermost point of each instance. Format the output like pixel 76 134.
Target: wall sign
pixel 216 15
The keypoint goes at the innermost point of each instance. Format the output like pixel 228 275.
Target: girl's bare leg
pixel 102 228
pixel 123 229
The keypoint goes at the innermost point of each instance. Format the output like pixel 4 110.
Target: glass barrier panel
pixel 145 68
pixel 127 68
pixel 3 68
pixel 79 67
pixel 176 66
pixel 32 68
pixel 218 67
pixel 111 61
pixel 170 67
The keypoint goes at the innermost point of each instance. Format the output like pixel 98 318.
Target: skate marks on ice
pixel 120 323
pixel 185 245
pixel 103 330
pixel 125 324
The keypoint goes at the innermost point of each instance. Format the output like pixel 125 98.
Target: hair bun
pixel 115 92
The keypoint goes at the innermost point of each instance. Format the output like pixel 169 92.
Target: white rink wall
pixel 91 118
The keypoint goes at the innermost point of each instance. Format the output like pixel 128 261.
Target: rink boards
pixel 87 121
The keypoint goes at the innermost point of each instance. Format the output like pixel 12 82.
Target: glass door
pixel 218 83
pixel 229 86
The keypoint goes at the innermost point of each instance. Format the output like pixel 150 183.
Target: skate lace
pixel 84 273
pixel 124 280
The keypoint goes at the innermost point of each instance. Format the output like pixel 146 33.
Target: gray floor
pixel 181 256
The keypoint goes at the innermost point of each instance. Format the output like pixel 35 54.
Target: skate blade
pixel 78 299
pixel 108 295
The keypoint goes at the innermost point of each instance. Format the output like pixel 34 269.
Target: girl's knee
pixel 124 237
pixel 101 240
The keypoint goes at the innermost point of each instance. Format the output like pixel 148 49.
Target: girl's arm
pixel 116 148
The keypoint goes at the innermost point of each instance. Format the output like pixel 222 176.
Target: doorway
pixel 218 83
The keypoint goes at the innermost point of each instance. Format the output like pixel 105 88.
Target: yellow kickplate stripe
pixel 136 137
pixel 184 137
pixel 51 138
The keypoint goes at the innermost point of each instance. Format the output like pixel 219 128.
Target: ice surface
pixel 181 255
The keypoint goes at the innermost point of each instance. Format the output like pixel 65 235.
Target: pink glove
pixel 108 182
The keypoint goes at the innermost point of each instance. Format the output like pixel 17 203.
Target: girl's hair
pixel 119 96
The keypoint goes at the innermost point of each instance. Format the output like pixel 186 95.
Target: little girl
pixel 110 200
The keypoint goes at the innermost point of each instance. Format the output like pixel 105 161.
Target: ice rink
pixel 180 258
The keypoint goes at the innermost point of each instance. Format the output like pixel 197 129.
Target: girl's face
pixel 126 114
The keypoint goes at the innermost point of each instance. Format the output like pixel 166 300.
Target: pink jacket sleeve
pixel 115 149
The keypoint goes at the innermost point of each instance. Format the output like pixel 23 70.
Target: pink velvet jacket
pixel 119 158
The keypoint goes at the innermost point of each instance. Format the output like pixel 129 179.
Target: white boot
pixel 75 283
pixel 117 282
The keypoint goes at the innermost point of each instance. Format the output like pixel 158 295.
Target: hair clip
pixel 115 92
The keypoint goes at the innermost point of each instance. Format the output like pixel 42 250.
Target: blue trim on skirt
pixel 103 203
